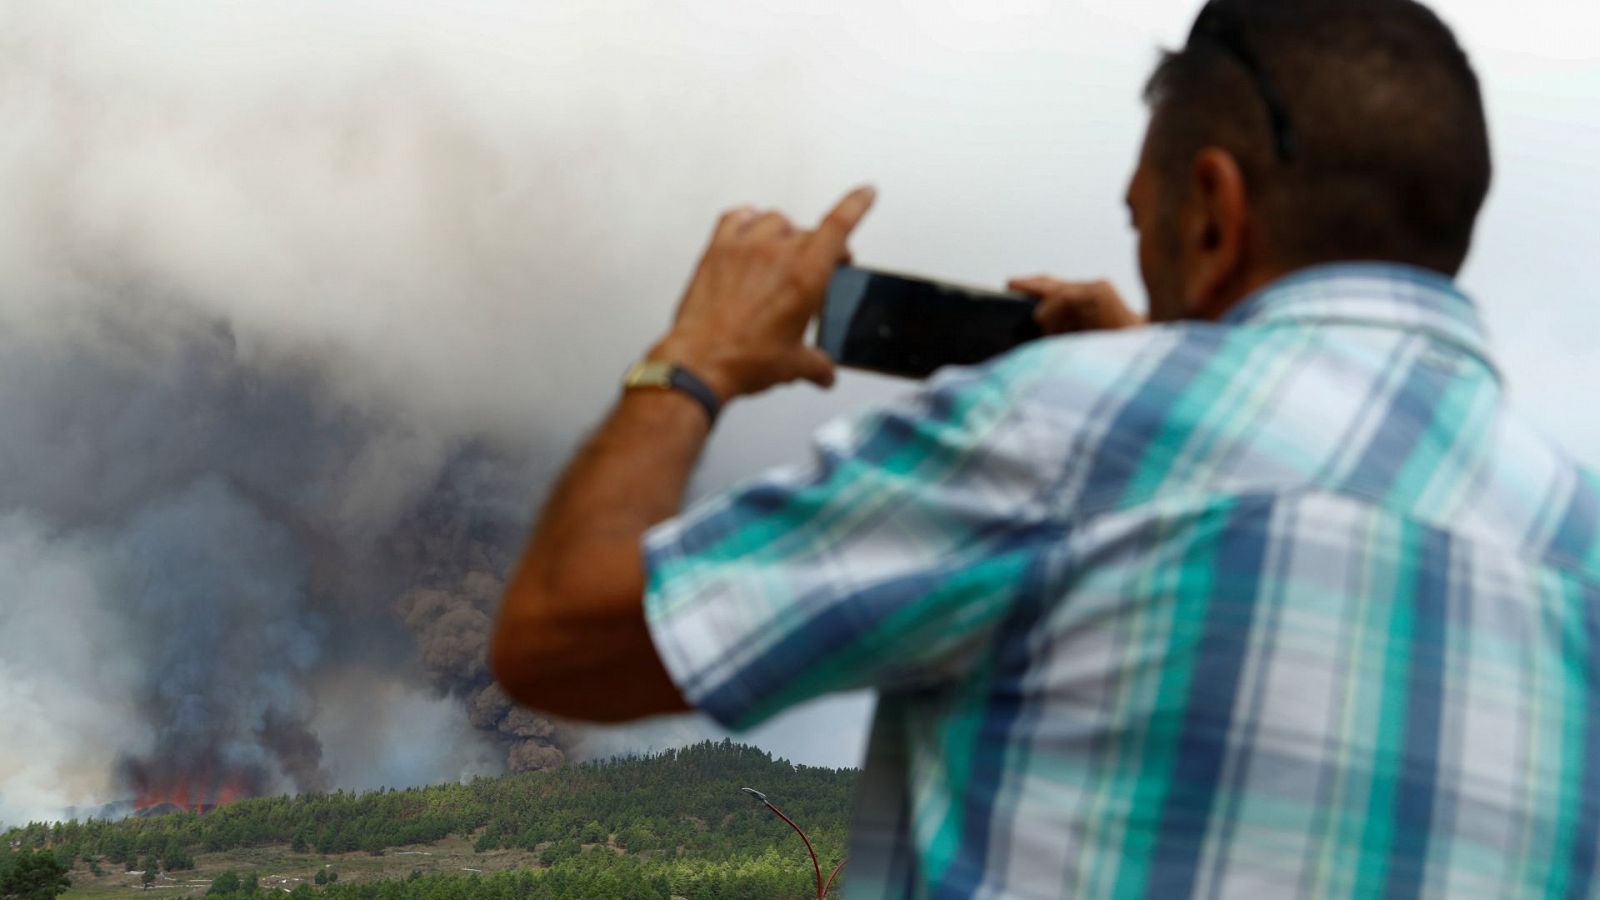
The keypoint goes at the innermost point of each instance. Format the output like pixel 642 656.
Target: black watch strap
pixel 660 373
pixel 684 380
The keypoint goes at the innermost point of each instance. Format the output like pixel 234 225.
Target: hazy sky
pixel 486 210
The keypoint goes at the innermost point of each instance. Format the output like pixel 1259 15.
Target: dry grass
pixel 279 868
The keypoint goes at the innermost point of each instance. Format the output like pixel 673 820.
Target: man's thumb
pixel 814 366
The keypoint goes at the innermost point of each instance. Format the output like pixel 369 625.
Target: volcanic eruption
pixel 247 533
pixel 286 355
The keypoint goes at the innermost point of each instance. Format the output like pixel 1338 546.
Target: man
pixel 1274 597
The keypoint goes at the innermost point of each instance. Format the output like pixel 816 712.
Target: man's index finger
pixel 827 244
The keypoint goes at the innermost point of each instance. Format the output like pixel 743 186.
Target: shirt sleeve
pixel 887 561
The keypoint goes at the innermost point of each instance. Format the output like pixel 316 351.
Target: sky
pixel 482 212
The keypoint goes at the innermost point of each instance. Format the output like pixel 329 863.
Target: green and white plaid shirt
pixel 1286 605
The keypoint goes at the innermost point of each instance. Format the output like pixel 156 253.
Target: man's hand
pixel 741 325
pixel 572 637
pixel 1068 306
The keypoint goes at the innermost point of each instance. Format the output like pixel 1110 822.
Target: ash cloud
pixel 298 307
pixel 268 452
pixel 207 499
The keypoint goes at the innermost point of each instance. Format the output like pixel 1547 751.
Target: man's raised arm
pixel 572 638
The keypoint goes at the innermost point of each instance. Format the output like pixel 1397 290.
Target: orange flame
pixel 198 792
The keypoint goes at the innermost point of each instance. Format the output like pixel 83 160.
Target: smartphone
pixel 907 326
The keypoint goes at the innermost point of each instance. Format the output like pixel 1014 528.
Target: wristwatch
pixel 662 373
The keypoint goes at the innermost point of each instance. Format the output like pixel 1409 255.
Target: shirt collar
pixel 1375 294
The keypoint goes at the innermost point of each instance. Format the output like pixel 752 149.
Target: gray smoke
pixel 234 554
pixel 267 450
pixel 298 307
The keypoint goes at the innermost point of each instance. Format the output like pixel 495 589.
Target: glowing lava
pixel 197 795
pixel 197 788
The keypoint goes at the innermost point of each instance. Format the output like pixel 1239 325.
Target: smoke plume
pixel 299 305
pixel 222 511
pixel 263 470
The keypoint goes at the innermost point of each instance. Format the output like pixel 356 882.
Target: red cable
pixel 835 874
pixel 815 866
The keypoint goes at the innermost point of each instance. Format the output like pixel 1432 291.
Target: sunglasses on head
pixel 1225 32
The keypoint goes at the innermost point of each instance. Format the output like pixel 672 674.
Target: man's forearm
pixel 631 475
pixel 572 637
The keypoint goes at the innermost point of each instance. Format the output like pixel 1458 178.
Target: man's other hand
pixel 1068 306
pixel 741 325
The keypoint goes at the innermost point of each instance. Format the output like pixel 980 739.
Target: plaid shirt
pixel 1286 605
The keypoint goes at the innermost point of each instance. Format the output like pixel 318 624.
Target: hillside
pixel 668 825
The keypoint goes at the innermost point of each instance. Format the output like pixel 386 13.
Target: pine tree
pixel 33 875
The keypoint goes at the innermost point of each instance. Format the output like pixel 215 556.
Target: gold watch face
pixel 651 373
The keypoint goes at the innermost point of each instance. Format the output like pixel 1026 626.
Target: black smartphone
pixel 901 325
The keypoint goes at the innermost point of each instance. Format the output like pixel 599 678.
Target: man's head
pixel 1293 132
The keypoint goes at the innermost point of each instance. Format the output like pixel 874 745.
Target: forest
pixel 672 824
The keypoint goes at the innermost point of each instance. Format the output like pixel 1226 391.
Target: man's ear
pixel 1216 235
